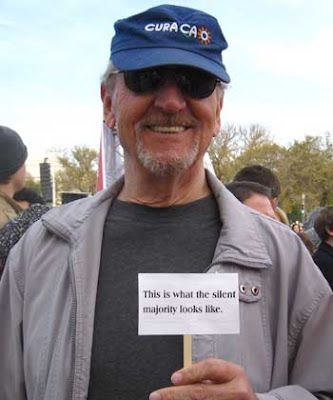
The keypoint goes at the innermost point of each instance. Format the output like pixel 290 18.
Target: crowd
pixel 69 289
pixel 20 207
pixel 258 187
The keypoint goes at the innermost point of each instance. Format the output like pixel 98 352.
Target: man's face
pixel 163 131
pixel 260 203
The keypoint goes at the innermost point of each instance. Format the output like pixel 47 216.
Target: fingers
pixel 210 379
pixel 211 369
pixel 201 391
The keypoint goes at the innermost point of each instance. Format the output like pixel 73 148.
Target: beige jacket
pixel 8 209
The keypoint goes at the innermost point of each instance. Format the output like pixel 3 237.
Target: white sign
pixel 187 304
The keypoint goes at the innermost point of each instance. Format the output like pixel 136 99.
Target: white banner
pixel 111 158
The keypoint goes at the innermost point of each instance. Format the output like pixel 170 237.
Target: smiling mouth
pixel 168 129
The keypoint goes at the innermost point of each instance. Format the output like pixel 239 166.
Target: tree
pixel 238 146
pixel 223 152
pixel 33 184
pixel 268 154
pixel 78 170
pixel 305 169
pixel 308 169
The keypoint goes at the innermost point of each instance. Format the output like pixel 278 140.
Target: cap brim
pixel 133 59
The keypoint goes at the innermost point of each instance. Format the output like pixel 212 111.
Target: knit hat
pixel 13 152
pixel 169 35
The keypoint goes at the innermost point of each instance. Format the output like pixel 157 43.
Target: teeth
pixel 168 129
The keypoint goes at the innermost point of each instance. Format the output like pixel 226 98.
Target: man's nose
pixel 169 98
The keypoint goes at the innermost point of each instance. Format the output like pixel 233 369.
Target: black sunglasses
pixel 192 82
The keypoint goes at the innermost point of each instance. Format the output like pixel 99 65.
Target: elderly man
pixel 69 294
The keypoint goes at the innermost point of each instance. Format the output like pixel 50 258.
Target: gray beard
pixel 160 167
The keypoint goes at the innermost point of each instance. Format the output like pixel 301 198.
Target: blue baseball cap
pixel 169 35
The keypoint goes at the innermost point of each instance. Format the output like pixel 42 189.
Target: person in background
pixel 13 154
pixel 14 229
pixel 264 176
pixel 253 195
pixel 307 242
pixel 26 197
pixel 280 215
pixel 309 228
pixel 257 196
pixel 323 256
pixel 297 227
pixel 69 292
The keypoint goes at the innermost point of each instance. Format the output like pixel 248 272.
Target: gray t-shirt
pixel 125 366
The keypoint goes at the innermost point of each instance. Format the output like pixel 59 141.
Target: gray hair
pixel 220 88
pixel 109 78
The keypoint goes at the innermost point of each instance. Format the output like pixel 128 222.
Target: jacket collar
pixel 68 220
pixel 240 241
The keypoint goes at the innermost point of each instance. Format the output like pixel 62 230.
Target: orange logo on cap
pixel 204 35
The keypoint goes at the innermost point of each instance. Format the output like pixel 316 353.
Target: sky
pixel 52 55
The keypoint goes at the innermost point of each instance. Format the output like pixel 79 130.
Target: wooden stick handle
pixel 187 350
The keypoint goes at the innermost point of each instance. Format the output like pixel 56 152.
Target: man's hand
pixel 210 379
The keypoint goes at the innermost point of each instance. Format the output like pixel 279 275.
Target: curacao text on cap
pixel 188 30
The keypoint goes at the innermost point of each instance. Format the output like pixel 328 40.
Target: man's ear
pixel 108 115
pixel 219 107
pixel 274 202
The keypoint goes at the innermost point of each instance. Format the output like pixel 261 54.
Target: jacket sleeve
pixel 292 392
pixel 311 374
pixel 11 346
